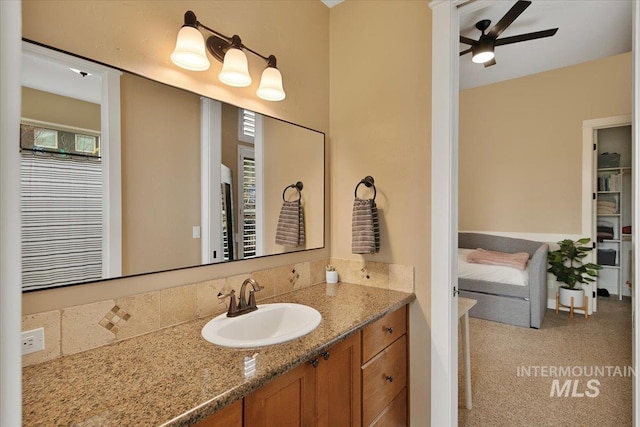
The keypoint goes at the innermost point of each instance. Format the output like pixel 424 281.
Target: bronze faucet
pixel 243 307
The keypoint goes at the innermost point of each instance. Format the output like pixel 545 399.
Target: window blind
pixel 247 126
pixel 249 207
pixel 61 204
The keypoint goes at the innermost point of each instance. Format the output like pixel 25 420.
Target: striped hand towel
pixel 365 227
pixel 290 230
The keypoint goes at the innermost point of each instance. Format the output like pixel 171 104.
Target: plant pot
pixel 567 293
pixel 332 277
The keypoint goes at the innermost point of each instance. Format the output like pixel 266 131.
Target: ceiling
pixel 588 30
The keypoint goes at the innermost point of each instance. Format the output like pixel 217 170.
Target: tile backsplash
pixel 75 329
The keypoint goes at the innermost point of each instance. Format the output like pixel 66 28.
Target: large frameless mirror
pixel 122 175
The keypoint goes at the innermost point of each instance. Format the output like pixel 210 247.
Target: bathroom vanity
pixel 351 370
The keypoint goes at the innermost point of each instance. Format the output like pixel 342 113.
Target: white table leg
pixel 467 359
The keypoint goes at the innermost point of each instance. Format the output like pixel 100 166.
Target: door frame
pixel 444 202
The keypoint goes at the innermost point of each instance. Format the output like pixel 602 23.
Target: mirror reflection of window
pixel 45 138
pixel 87 144
pixel 61 206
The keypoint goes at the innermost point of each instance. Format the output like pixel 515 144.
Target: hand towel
pixel 365 227
pixel 290 230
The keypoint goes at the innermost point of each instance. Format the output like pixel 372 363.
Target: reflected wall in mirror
pixel 122 175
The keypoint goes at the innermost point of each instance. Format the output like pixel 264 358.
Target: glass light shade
pixel 235 70
pixel 190 53
pixel 482 57
pixel 271 85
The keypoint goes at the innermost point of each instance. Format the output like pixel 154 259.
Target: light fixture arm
pixel 234 41
pixel 191 49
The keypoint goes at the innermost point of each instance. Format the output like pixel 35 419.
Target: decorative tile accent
pixel 284 278
pixel 144 314
pixel 50 321
pixel 114 319
pixel 81 329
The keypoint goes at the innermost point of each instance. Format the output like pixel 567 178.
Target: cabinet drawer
pixel 383 377
pixel 383 332
pixel 394 415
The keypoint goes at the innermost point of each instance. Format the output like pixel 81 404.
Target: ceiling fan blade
pixel 467 40
pixel 507 19
pixel 464 52
pixel 490 63
pixel 525 37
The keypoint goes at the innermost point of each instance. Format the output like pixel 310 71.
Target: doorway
pixel 444 351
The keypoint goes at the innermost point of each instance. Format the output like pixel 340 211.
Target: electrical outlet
pixel 32 341
pixel 196 231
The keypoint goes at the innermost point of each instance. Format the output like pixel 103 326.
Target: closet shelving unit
pixel 613 184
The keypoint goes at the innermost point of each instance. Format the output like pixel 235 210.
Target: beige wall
pixel 381 126
pixel 139 36
pixel 521 145
pixel 52 108
pixel 291 154
pixel 160 176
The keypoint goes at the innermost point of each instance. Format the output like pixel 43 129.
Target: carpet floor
pixel 570 372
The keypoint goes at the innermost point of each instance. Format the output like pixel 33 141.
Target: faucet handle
pixel 252 299
pixel 233 305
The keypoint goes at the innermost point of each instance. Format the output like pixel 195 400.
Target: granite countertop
pixel 174 377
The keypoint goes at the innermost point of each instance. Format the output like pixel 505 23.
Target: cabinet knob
pixel 390 329
pixel 314 362
pixel 325 355
pixel 389 378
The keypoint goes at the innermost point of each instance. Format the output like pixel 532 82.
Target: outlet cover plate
pixel 32 341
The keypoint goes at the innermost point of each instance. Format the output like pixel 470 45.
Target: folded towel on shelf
pixel 365 227
pixel 604 203
pixel 607 211
pixel 626 229
pixel 290 230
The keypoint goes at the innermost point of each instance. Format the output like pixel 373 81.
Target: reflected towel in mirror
pixel 290 230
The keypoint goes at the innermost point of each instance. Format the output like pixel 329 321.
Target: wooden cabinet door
pixel 231 416
pixel 287 401
pixel 338 385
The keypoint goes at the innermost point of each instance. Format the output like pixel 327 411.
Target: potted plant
pixel 332 274
pixel 566 264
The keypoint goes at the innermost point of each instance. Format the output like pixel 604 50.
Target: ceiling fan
pixel 483 48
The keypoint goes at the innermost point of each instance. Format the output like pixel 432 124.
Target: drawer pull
pixel 314 362
pixel 389 378
pixel 325 355
pixel 390 329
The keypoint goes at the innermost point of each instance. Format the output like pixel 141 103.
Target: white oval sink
pixel 269 324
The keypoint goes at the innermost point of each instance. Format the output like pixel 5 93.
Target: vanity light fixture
pixel 190 54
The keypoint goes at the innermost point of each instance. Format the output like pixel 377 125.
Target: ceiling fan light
pixel 271 85
pixel 482 57
pixel 189 52
pixel 235 69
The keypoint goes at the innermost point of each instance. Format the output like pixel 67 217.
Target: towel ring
pixel 298 186
pixel 368 182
